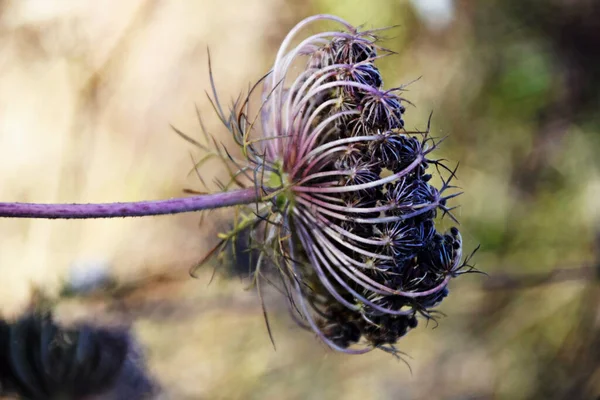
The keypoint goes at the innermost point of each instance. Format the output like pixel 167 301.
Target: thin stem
pixel 130 209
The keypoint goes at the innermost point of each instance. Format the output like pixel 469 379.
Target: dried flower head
pixel 348 206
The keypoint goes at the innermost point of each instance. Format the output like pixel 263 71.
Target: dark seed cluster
pixel 367 205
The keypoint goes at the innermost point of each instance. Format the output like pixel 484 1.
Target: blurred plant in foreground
pixel 333 191
pixel 42 360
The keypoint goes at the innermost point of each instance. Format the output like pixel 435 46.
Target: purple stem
pixel 131 209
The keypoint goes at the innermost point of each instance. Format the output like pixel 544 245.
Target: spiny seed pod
pixel 41 360
pixel 348 212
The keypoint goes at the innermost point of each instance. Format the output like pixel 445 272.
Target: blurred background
pixel 87 93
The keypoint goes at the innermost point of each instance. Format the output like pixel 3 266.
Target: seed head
pixel 40 359
pixel 349 205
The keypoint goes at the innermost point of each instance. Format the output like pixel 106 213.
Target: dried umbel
pixel 347 205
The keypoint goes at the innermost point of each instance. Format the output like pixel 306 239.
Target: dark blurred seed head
pixel 41 360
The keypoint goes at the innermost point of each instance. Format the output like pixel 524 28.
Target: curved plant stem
pixel 130 209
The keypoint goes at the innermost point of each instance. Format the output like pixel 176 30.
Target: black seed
pixel 412 322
